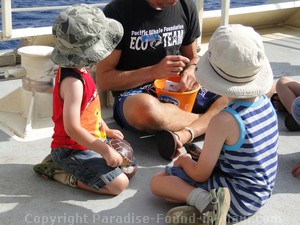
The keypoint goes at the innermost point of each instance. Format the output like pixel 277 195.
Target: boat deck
pixel 26 198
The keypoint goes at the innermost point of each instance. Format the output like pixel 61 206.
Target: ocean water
pixel 46 18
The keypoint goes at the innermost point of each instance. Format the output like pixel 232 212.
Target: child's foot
pixel 184 215
pixel 216 211
pixel 47 159
pixel 47 168
pixel 214 214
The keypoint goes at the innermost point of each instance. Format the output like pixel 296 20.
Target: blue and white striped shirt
pixel 249 167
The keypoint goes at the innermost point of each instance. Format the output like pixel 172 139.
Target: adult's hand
pixel 188 81
pixel 170 65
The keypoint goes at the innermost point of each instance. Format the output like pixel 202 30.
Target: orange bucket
pixel 184 100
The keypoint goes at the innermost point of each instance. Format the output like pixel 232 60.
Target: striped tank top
pixel 249 167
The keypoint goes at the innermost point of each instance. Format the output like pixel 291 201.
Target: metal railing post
pixel 200 8
pixel 6 19
pixel 225 12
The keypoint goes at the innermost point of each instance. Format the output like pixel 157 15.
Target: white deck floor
pixel 26 198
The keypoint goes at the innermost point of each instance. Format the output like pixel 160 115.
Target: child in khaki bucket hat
pixel 235 173
pixel 80 156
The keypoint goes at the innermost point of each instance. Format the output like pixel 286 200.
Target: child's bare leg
pixel 287 89
pixel 217 200
pixel 119 184
pixel 183 193
pixel 160 185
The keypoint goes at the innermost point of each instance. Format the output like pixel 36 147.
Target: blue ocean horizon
pixel 46 18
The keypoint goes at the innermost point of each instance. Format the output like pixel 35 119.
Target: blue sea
pixel 46 18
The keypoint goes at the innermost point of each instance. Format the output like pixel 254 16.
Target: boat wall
pixel 294 20
pixel 255 16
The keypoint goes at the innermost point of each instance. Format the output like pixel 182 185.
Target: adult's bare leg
pixel 146 113
pixel 287 90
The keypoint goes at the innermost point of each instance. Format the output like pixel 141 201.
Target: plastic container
pixel 184 100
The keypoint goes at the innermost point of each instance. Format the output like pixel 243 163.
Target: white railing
pixel 224 13
pixel 7 10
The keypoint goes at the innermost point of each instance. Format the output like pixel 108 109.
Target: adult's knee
pixel 142 111
pixel 281 83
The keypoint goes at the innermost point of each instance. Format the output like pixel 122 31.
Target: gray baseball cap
pixel 83 36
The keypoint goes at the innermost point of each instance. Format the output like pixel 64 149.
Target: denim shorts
pixel 179 172
pixel 203 101
pixel 87 166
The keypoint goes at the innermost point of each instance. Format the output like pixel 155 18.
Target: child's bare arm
pixel 71 92
pixel 222 129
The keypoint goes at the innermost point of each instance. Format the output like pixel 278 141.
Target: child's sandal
pixel 47 169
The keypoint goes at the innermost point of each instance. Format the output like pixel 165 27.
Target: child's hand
pixel 296 170
pixel 114 133
pixel 112 158
pixel 182 159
